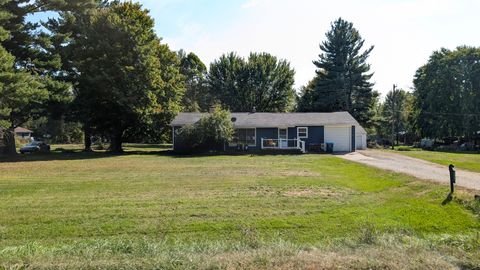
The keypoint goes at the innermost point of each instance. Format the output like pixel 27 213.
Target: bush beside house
pixel 213 131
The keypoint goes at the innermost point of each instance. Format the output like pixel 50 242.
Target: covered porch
pixel 283 144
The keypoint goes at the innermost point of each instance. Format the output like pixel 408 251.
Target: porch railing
pixel 285 144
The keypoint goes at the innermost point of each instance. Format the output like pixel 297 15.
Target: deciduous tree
pixel 128 79
pixel 447 94
pixel 262 82
pixel 196 97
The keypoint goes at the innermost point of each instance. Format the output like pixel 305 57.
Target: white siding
pixel 340 137
pixel 361 141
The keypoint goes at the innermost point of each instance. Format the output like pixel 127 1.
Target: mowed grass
pixel 156 210
pixel 462 160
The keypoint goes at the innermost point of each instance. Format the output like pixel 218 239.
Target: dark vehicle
pixel 35 147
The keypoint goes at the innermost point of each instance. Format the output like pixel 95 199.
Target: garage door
pixel 340 136
pixel 359 140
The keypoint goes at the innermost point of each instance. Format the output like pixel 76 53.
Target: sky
pixel 404 32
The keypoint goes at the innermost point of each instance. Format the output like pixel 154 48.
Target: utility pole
pixel 393 116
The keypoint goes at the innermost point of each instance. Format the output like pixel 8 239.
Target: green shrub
pixel 188 137
pixel 211 132
pixel 404 148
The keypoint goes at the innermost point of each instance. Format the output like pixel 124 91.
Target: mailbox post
pixel 453 178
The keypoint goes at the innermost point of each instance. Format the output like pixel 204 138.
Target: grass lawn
pixel 462 160
pixel 155 210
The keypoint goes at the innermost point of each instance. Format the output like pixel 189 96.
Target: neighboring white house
pixel 23 133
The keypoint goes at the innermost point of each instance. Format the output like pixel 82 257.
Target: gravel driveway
pixel 416 167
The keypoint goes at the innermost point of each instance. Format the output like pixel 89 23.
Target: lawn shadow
pixel 52 156
pixel 137 149
pixel 148 146
pixel 227 153
pixel 81 155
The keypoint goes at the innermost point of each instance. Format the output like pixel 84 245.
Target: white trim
pixel 283 143
pixel 303 137
pixel 300 145
pixel 278 131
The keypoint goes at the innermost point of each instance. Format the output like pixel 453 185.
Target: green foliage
pixel 343 75
pixel 211 132
pixel 447 99
pixel 43 57
pixel 404 148
pixel 262 82
pixel 196 96
pixel 56 131
pixel 397 109
pixel 21 93
pixel 306 98
pixel 129 83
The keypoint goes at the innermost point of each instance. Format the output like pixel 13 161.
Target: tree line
pixel 99 69
pixel 443 105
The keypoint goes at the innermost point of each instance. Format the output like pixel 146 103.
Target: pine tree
pixel 343 74
pixel 21 93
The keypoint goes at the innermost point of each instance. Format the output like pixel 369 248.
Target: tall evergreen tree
pixel 343 74
pixel 35 50
pixel 21 93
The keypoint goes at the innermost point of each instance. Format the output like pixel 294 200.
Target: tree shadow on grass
pixel 57 155
pixel 71 155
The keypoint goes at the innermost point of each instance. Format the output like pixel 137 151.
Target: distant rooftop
pixel 22 130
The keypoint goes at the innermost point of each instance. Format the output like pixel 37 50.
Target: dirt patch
pixel 321 192
pixel 298 173
pixel 299 192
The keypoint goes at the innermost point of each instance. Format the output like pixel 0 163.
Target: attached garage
pixel 340 136
pixel 361 141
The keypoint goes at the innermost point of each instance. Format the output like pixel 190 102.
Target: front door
pixel 283 137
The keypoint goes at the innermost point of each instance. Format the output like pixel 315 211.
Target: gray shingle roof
pixel 244 120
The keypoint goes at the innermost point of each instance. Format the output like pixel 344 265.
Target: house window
pixel 302 132
pixel 244 136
